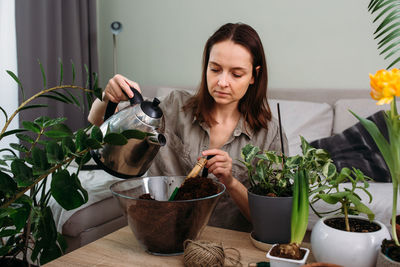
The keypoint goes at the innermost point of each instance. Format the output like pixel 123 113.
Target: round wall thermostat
pixel 116 27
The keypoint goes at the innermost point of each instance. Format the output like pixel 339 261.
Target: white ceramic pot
pixel 283 262
pixel 348 249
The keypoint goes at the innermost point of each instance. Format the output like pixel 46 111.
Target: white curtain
pixel 8 55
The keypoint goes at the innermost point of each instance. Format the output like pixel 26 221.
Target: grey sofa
pixel 312 113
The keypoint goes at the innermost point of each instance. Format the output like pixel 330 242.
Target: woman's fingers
pixel 118 88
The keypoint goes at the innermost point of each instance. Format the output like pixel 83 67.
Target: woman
pixel 229 110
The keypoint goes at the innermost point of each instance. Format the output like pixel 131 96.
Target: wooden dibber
pixel 197 168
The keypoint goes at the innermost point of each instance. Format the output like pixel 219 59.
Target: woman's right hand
pixel 116 87
pixel 114 93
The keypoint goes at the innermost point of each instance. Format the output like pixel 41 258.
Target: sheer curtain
pixel 49 30
pixel 8 56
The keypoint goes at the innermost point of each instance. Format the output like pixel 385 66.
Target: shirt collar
pixel 241 128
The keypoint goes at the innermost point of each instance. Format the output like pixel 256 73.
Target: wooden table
pixel 122 249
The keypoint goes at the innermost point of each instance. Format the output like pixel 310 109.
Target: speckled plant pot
pixel 384 261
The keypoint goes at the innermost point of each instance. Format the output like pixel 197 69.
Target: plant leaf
pixel 23 175
pixel 31 126
pixel 115 139
pixel 12 74
pixel 12 132
pixel 43 74
pixel 67 190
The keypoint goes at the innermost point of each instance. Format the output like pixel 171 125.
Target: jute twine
pixel 203 253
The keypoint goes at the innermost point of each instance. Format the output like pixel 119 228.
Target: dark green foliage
pixel 48 148
pixel 388 29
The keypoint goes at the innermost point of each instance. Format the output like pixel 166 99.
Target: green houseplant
pixel 272 179
pixel 338 237
pixel 36 170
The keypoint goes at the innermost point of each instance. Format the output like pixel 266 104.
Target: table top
pixel 122 249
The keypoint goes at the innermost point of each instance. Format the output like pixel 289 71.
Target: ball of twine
pixel 203 253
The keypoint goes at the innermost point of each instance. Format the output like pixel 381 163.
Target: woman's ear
pixel 257 71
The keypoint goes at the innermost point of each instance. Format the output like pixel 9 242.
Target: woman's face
pixel 229 72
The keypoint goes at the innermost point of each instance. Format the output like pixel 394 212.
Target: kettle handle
pixel 111 106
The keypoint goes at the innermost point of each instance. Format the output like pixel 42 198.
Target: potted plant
pixel 385 88
pixel 270 194
pixel 287 255
pixel 36 170
pixel 345 239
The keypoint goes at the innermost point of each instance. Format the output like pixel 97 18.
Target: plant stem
pixel 36 96
pixel 346 216
pixel 394 209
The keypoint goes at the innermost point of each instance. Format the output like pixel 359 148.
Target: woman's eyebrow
pixel 234 68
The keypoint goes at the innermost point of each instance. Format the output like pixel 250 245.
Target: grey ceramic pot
pixel 270 217
pixel 384 261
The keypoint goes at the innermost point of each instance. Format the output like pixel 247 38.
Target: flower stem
pixel 394 210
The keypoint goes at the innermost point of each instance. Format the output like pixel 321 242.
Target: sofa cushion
pixel 355 147
pixel 362 107
pixel 309 119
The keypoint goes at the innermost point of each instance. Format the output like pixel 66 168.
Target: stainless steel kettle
pixel 134 158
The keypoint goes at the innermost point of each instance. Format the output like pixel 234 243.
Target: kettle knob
pixel 152 109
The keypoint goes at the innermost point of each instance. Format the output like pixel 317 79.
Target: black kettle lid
pixel 152 109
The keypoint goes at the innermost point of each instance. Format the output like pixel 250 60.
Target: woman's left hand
pixel 220 165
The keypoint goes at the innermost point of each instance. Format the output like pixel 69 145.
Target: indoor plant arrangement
pixel 270 194
pixel 343 239
pixel 36 170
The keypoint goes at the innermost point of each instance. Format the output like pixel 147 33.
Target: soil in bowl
pixel 356 225
pixel 163 226
pixel 391 250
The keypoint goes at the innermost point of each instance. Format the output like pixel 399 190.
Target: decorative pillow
pixel 309 119
pixel 354 147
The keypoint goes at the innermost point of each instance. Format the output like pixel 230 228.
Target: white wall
pixel 309 43
pixel 8 61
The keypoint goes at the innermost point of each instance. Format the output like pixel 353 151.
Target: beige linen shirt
pixel 187 138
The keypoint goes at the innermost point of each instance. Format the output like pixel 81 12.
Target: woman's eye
pixel 237 75
pixel 214 70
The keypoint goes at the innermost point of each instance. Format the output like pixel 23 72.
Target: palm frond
pixel 388 30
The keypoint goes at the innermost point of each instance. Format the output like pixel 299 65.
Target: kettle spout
pixel 158 139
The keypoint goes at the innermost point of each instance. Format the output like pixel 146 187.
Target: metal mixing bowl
pixel 162 226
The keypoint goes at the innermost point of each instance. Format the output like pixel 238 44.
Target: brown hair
pixel 253 105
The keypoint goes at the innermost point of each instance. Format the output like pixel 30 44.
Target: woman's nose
pixel 222 80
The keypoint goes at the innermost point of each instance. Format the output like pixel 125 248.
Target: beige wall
pixel 309 43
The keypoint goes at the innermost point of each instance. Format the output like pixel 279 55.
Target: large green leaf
pixel 7 185
pixel 23 175
pixel 115 139
pixel 380 141
pixel 31 126
pixel 54 152
pixel 67 190
pixel 19 147
pixel 96 134
pixel 22 213
pixel 25 137
pixel 134 134
pixel 12 132
pixel 81 138
pixel 68 145
pixel 40 161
